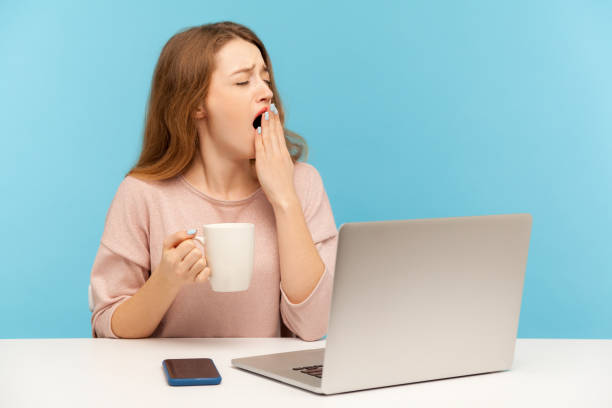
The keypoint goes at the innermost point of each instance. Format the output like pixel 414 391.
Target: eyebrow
pixel 247 69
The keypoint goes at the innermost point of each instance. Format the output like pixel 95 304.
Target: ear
pixel 199 113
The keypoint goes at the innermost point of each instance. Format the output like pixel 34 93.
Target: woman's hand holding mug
pixel 182 261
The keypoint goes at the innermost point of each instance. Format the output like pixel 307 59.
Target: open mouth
pixel 257 121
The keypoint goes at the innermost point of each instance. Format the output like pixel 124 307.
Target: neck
pixel 222 177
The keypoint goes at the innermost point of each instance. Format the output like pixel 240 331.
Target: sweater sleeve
pixel 122 263
pixel 309 319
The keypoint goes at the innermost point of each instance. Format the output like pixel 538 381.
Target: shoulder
pixel 136 199
pixel 306 176
pixel 136 187
pixel 308 184
pixel 131 189
pixel 136 193
pixel 315 202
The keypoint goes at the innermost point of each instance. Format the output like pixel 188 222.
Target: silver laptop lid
pixel 416 300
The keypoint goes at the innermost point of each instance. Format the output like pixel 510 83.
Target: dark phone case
pixel 191 371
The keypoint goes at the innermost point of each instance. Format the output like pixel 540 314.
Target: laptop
pixel 414 300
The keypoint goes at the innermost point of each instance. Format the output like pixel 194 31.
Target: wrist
pixel 285 203
pixel 168 283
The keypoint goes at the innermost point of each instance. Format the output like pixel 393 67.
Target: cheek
pixel 234 119
pixel 228 122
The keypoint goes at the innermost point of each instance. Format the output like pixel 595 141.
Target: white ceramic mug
pixel 229 250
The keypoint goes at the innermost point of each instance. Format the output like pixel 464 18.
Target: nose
pixel 264 92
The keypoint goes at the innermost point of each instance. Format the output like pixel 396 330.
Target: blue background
pixel 410 109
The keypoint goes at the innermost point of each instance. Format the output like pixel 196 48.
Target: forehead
pixel 237 54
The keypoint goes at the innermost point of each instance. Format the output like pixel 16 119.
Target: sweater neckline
pixel 216 200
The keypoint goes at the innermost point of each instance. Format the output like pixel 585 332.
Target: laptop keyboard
pixel 315 370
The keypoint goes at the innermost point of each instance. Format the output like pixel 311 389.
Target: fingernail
pixel 273 107
pixel 267 115
pixel 259 130
pixel 191 231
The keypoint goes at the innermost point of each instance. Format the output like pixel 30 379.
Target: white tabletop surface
pixel 128 373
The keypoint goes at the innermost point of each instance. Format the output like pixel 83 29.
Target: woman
pixel 206 160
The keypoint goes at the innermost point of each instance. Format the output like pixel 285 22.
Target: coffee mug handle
pixel 201 238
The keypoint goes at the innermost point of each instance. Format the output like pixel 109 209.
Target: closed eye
pixel 246 82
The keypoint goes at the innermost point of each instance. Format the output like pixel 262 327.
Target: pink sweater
pixel 142 214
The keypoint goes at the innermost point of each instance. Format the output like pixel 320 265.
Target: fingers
pixel 192 265
pixel 278 133
pixel 270 136
pixel 197 269
pixel 191 258
pixel 185 248
pixel 268 130
pixel 204 275
pixel 173 240
pixel 188 259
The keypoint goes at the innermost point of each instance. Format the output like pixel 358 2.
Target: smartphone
pixel 191 371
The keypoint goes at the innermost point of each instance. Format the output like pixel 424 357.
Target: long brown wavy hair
pixel 180 82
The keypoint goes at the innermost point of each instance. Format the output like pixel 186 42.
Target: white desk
pixel 128 373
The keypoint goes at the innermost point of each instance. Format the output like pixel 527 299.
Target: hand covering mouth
pixel 257 120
